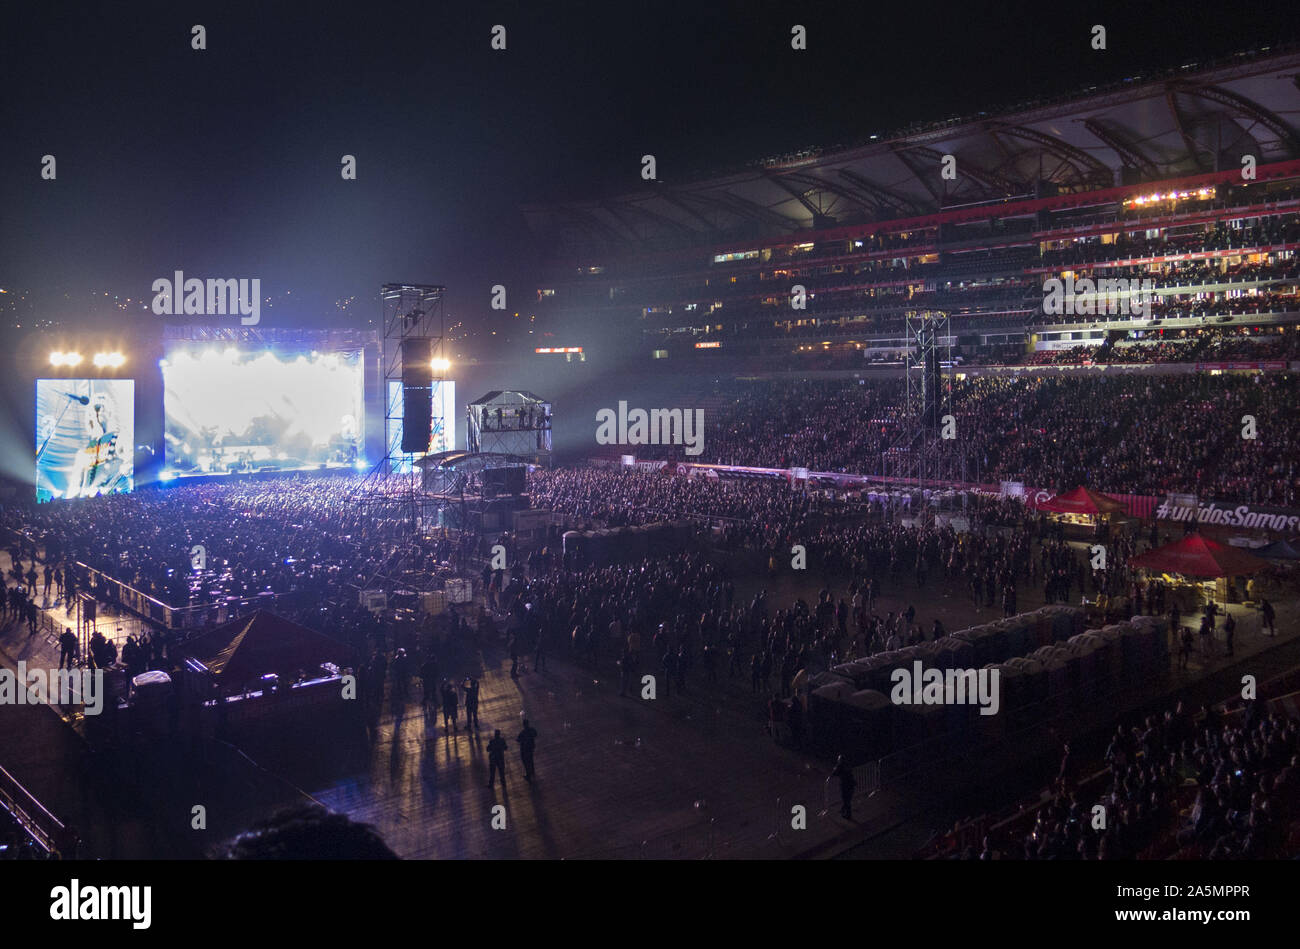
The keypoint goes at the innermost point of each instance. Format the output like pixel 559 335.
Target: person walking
pixel 513 647
pixel 1185 652
pixel 527 745
pixel 497 759
pixel 539 650
pixel 448 705
pixel 401 670
pixel 847 786
pixel 1266 612
pixel 1229 629
pixel 470 688
pixel 429 682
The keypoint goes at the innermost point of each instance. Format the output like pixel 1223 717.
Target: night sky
pixel 225 162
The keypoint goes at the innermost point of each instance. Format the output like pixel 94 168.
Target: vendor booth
pixel 1198 569
pixel 1083 508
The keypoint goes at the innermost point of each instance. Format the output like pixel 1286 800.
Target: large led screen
pixel 85 437
pixel 444 421
pixel 233 412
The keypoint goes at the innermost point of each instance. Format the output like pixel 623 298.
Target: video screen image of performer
pixel 85 433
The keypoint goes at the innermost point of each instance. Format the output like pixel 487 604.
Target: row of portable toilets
pixel 1047 666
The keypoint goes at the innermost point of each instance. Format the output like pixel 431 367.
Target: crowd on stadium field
pixel 297 542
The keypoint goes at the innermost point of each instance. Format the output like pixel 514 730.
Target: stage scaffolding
pixel 394 487
pixel 920 454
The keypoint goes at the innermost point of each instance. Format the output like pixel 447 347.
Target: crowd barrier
pixel 177 617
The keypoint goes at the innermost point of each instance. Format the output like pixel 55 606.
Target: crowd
pixel 1131 434
pixel 301 544
pixel 1243 770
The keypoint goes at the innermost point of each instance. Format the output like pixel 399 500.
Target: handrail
pixel 42 826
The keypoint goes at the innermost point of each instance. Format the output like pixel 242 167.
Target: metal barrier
pixel 42 826
pixel 173 617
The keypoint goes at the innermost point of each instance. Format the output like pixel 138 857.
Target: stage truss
pixel 920 455
pixel 394 487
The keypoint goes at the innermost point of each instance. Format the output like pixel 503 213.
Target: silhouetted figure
pixel 847 786
pixel 471 702
pixel 309 832
pixel 67 648
pixel 449 704
pixel 527 745
pixel 497 759
pixel 429 681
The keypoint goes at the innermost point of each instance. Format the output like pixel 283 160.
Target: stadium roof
pixel 1190 121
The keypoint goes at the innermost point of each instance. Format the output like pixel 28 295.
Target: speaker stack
pixel 417 395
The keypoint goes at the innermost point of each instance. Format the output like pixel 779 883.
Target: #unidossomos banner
pixel 1227 514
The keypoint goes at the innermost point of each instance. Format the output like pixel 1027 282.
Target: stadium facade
pixel 1186 185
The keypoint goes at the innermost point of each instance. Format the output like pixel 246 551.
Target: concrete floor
pixel 680 777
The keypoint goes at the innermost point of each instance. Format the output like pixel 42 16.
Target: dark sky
pixel 225 162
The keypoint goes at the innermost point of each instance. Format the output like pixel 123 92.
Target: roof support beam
pixel 1088 167
pixel 814 182
pixel 1130 155
pixel 1253 110
pixel 1193 151
pixel 887 201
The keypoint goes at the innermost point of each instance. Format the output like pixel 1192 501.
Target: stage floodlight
pixel 109 360
pixel 441 365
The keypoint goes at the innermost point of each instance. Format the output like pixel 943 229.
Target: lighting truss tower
pixel 412 312
pixel 920 455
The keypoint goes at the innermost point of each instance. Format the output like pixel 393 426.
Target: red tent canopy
pixel 1083 501
pixel 1197 556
